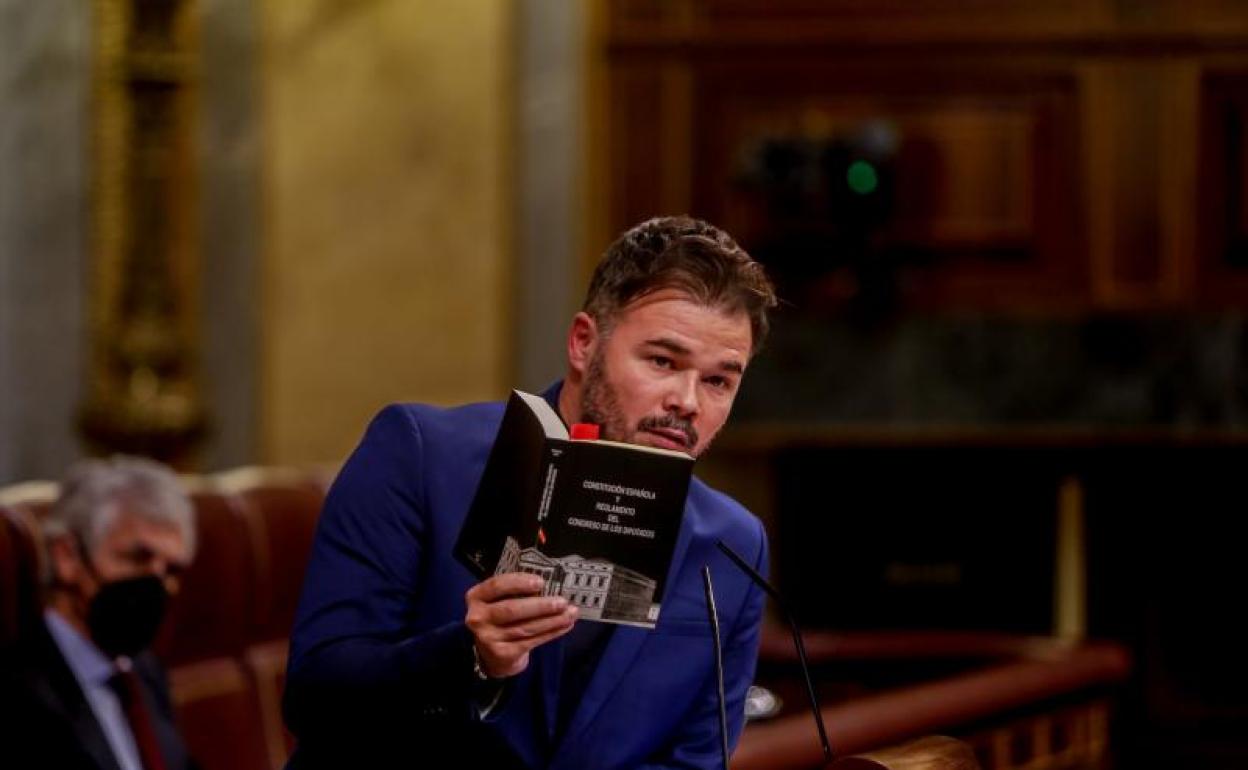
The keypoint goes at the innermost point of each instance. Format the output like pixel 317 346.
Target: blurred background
pixel 1007 391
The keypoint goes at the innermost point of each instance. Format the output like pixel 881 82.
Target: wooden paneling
pixel 1223 193
pixel 1097 23
pixel 1053 156
pixel 982 163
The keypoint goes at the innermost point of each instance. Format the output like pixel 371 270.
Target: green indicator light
pixel 862 178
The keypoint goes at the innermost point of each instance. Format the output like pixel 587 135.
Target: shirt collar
pixel 89 664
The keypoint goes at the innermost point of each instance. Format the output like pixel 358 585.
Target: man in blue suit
pixel 399 656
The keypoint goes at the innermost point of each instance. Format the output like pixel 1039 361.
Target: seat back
pixel 280 510
pixel 21 565
pixel 210 616
pixel 228 631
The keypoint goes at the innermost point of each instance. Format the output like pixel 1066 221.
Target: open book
pixel 597 519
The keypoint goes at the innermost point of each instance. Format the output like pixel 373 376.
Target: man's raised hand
pixel 508 618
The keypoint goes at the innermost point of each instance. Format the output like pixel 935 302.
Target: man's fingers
pixel 538 627
pixel 505 585
pixel 504 648
pixel 509 612
pixel 508 619
pixel 540 639
pixel 520 647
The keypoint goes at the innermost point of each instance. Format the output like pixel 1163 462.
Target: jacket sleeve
pixel 357 663
pixel 697 743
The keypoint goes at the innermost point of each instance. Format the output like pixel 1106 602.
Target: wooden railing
pixel 1016 702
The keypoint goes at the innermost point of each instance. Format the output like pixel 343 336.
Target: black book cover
pixel 597 519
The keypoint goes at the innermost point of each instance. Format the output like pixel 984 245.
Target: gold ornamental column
pixel 142 397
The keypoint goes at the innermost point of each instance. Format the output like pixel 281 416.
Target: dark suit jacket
pixel 381 660
pixel 47 722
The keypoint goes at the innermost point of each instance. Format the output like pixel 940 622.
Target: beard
pixel 600 404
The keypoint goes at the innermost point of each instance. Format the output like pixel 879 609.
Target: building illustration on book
pixel 600 589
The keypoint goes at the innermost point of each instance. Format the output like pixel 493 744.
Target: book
pixel 597 520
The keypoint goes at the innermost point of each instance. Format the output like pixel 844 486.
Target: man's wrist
pixel 487 691
pixel 478 670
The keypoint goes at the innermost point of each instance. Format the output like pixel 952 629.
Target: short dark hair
pixel 680 252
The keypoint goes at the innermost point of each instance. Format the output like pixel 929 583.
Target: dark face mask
pixel 124 615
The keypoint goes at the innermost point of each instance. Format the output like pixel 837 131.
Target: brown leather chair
pixel 210 617
pixel 281 508
pixel 20 567
pixel 220 714
pixel 228 632
pixel 204 639
pixel 10 577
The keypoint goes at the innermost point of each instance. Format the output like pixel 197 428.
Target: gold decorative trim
pixel 142 395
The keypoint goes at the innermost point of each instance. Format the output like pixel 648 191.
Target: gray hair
pixel 93 492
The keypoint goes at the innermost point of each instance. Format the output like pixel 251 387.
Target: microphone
pixel 719 662
pixel 762 583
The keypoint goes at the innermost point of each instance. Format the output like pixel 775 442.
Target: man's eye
pixel 139 556
pixel 663 362
pixel 719 383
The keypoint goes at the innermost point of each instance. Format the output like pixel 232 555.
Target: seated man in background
pixel 83 691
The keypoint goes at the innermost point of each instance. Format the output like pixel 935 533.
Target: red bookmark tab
pixel 584 431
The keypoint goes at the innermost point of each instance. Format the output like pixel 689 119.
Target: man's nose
pixel 173 583
pixel 682 397
pixel 168 574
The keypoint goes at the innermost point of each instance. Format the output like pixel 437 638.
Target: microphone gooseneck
pixel 762 583
pixel 719 662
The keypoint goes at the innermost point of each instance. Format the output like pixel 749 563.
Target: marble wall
pixel 389 209
pixel 45 229
pixel 44 194
pixel 553 201
pixel 228 141
pixel 1178 372
pixel 386 201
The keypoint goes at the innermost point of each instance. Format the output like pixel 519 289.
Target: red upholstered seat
pixel 220 714
pixel 9 577
pixel 211 615
pixel 267 665
pixel 280 510
pixel 227 635
pixel 20 566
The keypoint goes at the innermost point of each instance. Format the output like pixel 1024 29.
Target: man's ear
pixel 64 560
pixel 583 340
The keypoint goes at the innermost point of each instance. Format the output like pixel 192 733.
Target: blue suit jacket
pixel 381 660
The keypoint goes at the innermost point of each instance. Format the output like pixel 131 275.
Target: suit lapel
pixel 91 736
pixel 61 693
pixel 621 651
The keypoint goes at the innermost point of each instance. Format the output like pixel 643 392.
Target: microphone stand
pixel 762 583
pixel 719 662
